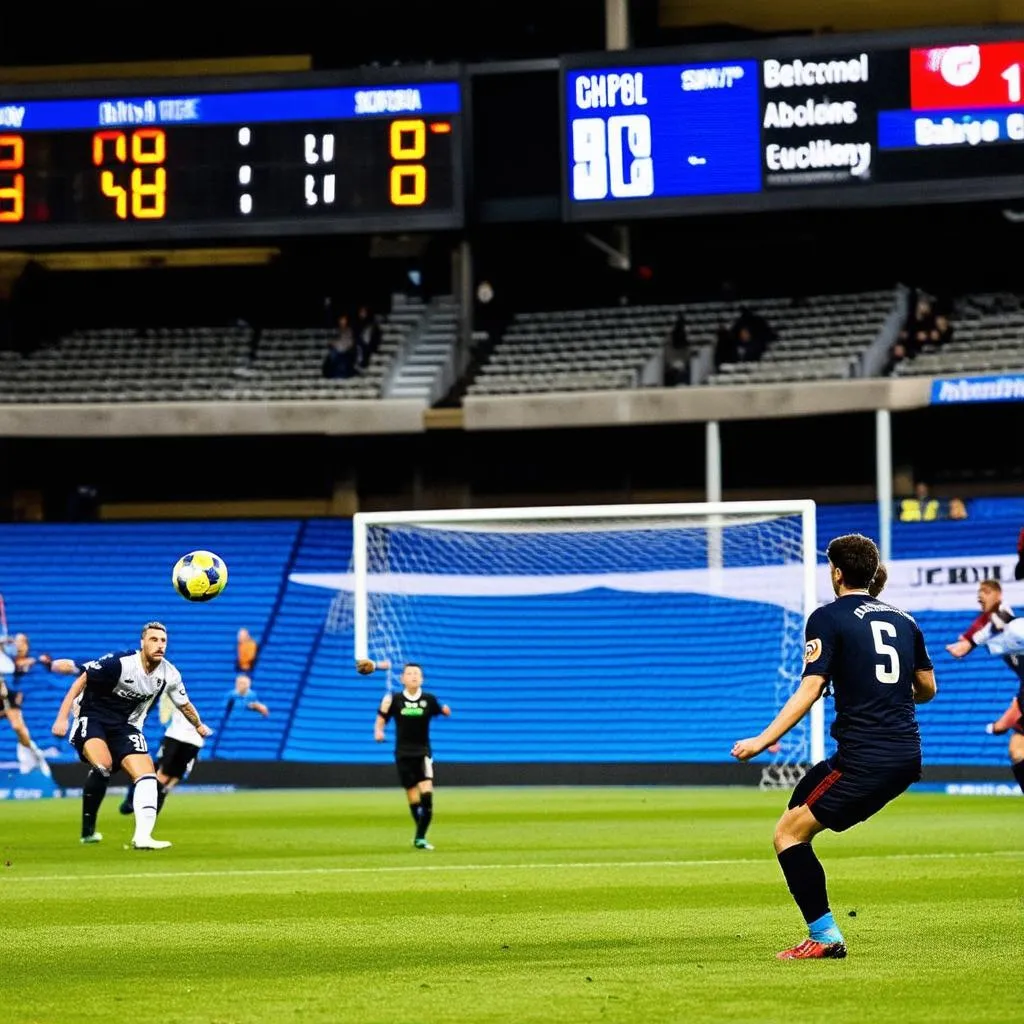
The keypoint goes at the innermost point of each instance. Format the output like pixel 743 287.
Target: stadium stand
pixel 578 350
pixel 163 364
pixel 988 336
pixel 819 338
pixel 825 337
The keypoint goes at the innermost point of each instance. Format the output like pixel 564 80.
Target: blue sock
pixel 825 929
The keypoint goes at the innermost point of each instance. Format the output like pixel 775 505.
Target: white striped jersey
pixel 119 691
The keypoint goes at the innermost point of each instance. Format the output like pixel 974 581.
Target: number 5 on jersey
pixel 886 673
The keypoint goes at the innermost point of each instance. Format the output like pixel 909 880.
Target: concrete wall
pixel 695 404
pixel 212 419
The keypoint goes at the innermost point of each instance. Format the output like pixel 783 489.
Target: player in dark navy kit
pixel 874 657
pixel 989 628
pixel 116 693
pixel 411 710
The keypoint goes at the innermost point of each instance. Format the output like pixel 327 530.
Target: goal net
pixel 613 634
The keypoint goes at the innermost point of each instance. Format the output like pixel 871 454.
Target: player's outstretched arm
pixel 62 666
pixel 367 666
pixel 259 707
pixel 445 710
pixel 60 723
pixel 188 709
pixel 810 689
pixel 961 648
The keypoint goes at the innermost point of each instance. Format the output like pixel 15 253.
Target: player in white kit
pixel 117 692
pixel 182 743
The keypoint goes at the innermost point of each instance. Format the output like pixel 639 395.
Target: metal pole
pixel 616 24
pixel 713 488
pixel 883 471
pixel 713 464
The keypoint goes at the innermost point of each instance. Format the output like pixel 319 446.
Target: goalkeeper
pixel 411 709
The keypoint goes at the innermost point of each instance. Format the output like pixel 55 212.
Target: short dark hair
pixel 153 625
pixel 412 664
pixel 856 557
pixel 992 585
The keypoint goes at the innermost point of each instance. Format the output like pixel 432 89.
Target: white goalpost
pixel 653 633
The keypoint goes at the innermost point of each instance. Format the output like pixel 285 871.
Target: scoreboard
pixel 219 158
pixel 798 123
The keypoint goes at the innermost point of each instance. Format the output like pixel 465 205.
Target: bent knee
pixel 797 825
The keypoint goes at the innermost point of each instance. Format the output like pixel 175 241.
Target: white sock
pixel 144 803
pixel 41 761
pixel 27 760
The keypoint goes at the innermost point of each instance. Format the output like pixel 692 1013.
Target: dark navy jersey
pixel 411 716
pixel 869 651
pixel 119 691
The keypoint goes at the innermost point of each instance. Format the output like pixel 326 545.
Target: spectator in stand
pixel 750 334
pixel 340 361
pixel 922 329
pixel 245 659
pixel 725 347
pixel 677 361
pixel 368 336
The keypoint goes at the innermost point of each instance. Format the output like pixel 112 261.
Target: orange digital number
pixel 148 152
pixel 99 145
pixel 408 182
pixel 12 196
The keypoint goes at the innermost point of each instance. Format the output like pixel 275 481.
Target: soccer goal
pixel 616 633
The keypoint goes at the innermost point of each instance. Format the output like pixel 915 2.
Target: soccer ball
pixel 200 575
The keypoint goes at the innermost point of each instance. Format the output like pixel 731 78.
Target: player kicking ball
pixel 117 692
pixel 875 659
pixel 411 710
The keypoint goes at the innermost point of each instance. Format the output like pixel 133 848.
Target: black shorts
pixel 414 770
pixel 12 700
pixel 175 758
pixel 121 739
pixel 839 796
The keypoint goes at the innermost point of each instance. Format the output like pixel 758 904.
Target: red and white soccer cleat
pixel 811 950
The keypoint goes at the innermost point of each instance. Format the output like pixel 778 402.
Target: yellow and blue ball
pixel 200 575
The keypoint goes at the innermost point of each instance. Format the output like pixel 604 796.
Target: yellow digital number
pixel 12 197
pixel 110 188
pixel 416 149
pixel 408 185
pixel 156 155
pixel 407 140
pixel 145 191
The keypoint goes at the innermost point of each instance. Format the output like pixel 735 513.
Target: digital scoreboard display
pixel 807 124
pixel 290 155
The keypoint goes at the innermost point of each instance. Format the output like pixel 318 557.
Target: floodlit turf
pixel 538 905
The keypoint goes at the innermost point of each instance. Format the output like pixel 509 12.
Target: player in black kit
pixel 411 710
pixel 875 659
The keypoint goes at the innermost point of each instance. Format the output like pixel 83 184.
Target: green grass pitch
pixel 538 905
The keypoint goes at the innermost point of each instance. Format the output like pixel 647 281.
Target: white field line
pixel 117 877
